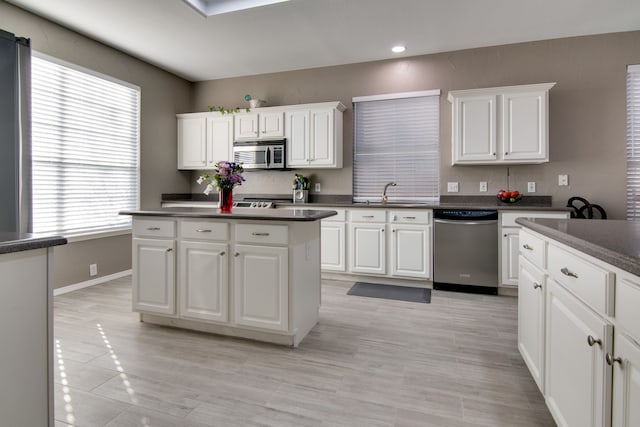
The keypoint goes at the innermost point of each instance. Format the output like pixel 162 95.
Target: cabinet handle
pixel 223 253
pixel 236 254
pixel 153 228
pixel 591 341
pixel 204 231
pixel 367 216
pixel 568 272
pixel 170 250
pixel 537 285
pixel 611 360
pixel 527 247
pixel 409 217
pixel 260 234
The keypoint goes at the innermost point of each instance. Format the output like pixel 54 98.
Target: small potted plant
pixel 301 187
pixel 226 176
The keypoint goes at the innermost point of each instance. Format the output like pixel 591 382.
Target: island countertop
pixel 616 242
pixel 17 242
pixel 293 214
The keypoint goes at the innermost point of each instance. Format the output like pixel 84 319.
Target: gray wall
pixel 587 111
pixel 163 95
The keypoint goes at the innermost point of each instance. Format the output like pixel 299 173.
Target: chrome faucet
pixel 384 192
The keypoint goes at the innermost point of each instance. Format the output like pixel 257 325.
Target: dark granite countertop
pixel 293 214
pixel 529 203
pixel 616 242
pixel 17 242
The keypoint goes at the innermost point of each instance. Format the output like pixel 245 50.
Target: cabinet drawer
pixel 205 230
pixel 627 304
pixel 410 217
pixel 589 282
pixel 368 215
pixel 154 227
pixel 258 233
pixel 532 248
pixel 508 219
pixel 340 217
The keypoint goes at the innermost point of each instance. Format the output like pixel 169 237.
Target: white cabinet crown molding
pixel 501 90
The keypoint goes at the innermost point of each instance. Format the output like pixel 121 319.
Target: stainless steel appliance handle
pixel 269 156
pixel 456 222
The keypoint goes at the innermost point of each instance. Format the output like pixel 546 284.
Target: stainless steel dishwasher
pixel 465 250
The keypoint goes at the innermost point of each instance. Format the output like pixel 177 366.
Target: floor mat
pixel 401 293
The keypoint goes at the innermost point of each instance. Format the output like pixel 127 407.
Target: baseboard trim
pixel 88 283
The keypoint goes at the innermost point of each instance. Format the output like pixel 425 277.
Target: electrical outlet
pixel 531 187
pixel 452 187
pixel 563 180
pixel 317 187
pixel 93 269
pixel 483 186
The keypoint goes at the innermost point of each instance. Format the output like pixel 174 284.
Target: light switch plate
pixel 563 180
pixel 452 187
pixel 531 187
pixel 483 186
pixel 317 187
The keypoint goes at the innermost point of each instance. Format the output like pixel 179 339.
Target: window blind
pixel 633 142
pixel 397 140
pixel 85 138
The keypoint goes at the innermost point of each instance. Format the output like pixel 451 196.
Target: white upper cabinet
pixel 501 125
pixel 204 139
pixel 314 136
pixel 259 125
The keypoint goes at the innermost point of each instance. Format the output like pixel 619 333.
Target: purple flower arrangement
pixel 226 176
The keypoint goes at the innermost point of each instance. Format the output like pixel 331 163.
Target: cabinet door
pixel 297 138
pixel 204 275
pixel 271 125
pixel 246 125
pixel 153 267
pixel 509 252
pixel 577 379
pixel 531 320
pixel 367 253
pixel 322 141
pixel 261 287
pixel 524 126
pixel 219 139
pixel 333 246
pixel 474 129
pixel 410 254
pixel 626 382
pixel 192 147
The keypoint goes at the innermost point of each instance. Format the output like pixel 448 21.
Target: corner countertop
pixel 297 214
pixel 17 242
pixel 616 242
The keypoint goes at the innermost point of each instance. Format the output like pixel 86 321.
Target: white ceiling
pixel 301 34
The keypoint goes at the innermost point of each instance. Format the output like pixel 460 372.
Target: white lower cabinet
pixel 410 251
pixel 153 267
pixel 261 287
pixel 626 381
pixel 577 380
pixel 204 276
pixel 509 252
pixel 368 248
pixel 333 246
pixel 531 319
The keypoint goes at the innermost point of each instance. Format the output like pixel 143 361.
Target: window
pixel 397 140
pixel 85 142
pixel 633 142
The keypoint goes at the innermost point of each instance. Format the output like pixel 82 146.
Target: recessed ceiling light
pixel 217 7
pixel 398 49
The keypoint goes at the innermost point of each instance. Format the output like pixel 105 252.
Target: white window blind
pixel 633 142
pixel 85 138
pixel 397 140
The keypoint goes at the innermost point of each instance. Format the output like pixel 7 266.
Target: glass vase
pixel 225 200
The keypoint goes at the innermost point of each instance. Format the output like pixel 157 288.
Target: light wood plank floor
pixel 368 362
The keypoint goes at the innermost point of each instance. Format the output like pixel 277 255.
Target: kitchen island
pixel 26 328
pixel 252 273
pixel 578 318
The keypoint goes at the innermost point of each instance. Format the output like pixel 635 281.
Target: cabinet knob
pixel 506 153
pixel 382 230
pixel 591 341
pixel 236 254
pixel 567 272
pixel 504 235
pixel 223 253
pixel 537 285
pixel 170 250
pixel 611 360
pixel 494 154
pixel 527 247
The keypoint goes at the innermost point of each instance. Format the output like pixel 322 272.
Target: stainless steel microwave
pixel 260 154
